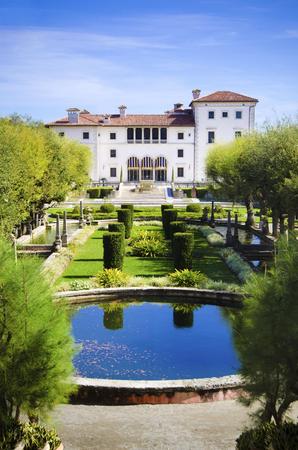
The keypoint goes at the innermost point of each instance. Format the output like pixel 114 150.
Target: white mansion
pixel 159 147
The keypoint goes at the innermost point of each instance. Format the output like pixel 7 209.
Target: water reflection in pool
pixel 153 341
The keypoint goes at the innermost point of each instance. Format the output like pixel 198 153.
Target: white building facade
pixel 159 147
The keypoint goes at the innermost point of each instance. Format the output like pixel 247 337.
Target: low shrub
pixel 33 435
pixel 149 281
pixel 94 192
pixel 194 207
pixel 183 245
pixel 150 248
pixel 75 210
pixel 169 215
pixel 187 191
pixel 108 278
pixel 113 250
pixel 105 191
pixel 215 239
pixel 222 286
pixel 107 208
pixel 124 216
pixel 187 278
pixel 269 436
pixel 236 264
pixel 218 209
pixel 80 285
pixel 201 192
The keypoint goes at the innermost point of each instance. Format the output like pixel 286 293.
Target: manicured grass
pixel 88 261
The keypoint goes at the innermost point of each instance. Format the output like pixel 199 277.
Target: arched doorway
pixel 133 169
pixel 160 169
pixel 147 168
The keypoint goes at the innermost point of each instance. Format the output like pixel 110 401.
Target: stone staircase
pixel 128 194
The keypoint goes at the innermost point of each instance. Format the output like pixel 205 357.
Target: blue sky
pixel 147 54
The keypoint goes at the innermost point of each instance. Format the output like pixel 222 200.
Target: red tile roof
pixel 225 96
pixel 150 120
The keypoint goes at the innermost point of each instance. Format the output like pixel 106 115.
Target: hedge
pixel 124 216
pixel 169 215
pixel 187 191
pixel 117 227
pixel 113 250
pixel 183 245
pixel 99 192
pixel 194 207
pixel 107 208
pixel 201 192
pixel 177 227
pixel 131 208
pixel 93 192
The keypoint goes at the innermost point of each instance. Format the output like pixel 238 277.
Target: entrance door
pixel 160 175
pixel 133 175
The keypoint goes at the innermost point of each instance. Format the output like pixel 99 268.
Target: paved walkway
pixel 205 426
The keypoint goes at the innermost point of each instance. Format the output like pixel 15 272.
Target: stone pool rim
pixel 96 391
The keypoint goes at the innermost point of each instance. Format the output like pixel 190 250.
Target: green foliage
pixel 112 278
pixel 238 266
pixel 183 245
pixel 187 191
pixel 222 286
pixel 113 250
pixel 36 347
pixel 201 192
pixel 169 215
pixel 131 209
pixel 266 336
pixel 80 285
pixel 188 278
pixel 117 227
pixel 34 437
pixel 163 208
pixel 36 167
pixel 177 227
pixel 148 244
pixel 124 216
pixel 214 238
pixel 93 192
pixel 105 191
pixel 268 436
pixel 194 207
pixel 107 208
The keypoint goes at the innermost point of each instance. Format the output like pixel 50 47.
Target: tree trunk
pixel 275 216
pixel 282 224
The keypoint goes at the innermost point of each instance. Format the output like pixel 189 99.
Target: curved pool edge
pixel 187 295
pixel 93 391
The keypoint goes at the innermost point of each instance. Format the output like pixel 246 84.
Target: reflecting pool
pixel 149 341
pixel 49 235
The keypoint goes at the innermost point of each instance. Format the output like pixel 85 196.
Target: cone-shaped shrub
pixel 177 227
pixel 183 244
pixel 124 216
pixel 117 227
pixel 163 208
pixel 113 250
pixel 169 215
pixel 131 209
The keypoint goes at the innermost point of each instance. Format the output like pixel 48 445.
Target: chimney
pixel 122 110
pixel 106 118
pixel 178 106
pixel 196 93
pixel 73 115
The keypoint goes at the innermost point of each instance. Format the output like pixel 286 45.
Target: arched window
pixel 133 162
pixel 147 162
pixel 133 169
pixel 147 168
pixel 161 162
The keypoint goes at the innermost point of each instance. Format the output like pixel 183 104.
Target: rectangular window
pixel 210 114
pixel 238 134
pixel 180 136
pixel 180 172
pixel 225 114
pixel 85 135
pixel 139 133
pixel 113 172
pixel 112 136
pixel 163 135
pixel 211 137
pixel 180 153
pixel 113 153
pixel 147 134
pixel 61 134
pixel 130 134
pixel 155 134
pixel 238 114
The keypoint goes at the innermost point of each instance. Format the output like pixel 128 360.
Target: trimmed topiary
pixel 169 215
pixel 93 192
pixel 131 208
pixel 117 227
pixel 194 207
pixel 124 216
pixel 163 208
pixel 177 227
pixel 183 245
pixel 113 250
pixel 107 208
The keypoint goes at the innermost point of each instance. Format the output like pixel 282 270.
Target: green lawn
pixel 88 261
